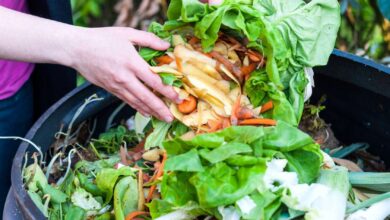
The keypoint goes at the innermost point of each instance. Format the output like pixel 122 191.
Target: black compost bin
pixel 357 106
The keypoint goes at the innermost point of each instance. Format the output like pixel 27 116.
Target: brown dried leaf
pixel 348 164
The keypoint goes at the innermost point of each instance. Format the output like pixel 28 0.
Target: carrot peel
pixel 158 174
pixel 188 105
pixel 247 70
pixel 236 106
pixel 214 125
pixel 164 60
pixel 244 113
pixel 134 214
pixel 258 121
pixel 267 106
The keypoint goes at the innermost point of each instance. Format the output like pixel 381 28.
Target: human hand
pixel 107 58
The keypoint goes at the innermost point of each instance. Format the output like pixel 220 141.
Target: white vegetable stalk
pixel 327 161
pixel 378 211
pixel 309 87
pixel 324 200
pixel 229 213
pixel 333 204
pixel 246 205
pixel 275 178
pixel 179 215
pixel 183 213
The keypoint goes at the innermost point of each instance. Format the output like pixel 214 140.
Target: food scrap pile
pixel 235 151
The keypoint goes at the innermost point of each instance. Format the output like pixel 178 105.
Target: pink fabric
pixel 13 74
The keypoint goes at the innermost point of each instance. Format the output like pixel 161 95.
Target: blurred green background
pixel 364 31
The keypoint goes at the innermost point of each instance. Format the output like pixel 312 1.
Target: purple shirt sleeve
pixel 13 74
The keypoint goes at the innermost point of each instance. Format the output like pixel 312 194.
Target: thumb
pixel 146 39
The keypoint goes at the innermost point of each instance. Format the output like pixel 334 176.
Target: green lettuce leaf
pixel 85 200
pixel 306 162
pixel 309 29
pixel 125 197
pixel 221 184
pixel 260 90
pixel 170 79
pixel 159 207
pixel 166 211
pixel 189 162
pixel 225 151
pixel 267 204
pixel 284 137
pixel 177 190
pixel 158 135
pixel 108 177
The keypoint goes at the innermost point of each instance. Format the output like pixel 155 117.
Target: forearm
pixel 104 56
pixel 32 39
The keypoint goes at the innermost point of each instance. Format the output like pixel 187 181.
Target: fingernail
pixel 166 44
pixel 168 119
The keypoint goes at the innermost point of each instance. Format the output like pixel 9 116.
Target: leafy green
pixel 147 53
pixel 75 213
pixel 68 186
pixel 260 90
pixel 111 140
pixel 266 205
pixel 170 79
pixel 176 189
pixel 225 151
pixel 217 169
pixel 38 202
pixel 222 185
pixel 89 167
pixel 284 137
pixel 56 196
pixel 108 177
pixel 85 200
pixel 159 207
pixel 306 163
pixel 189 162
pixel 309 36
pixel 166 211
pixel 125 197
pixel 34 176
pixel 88 185
pixel 158 135
pixel 244 160
pixel 178 129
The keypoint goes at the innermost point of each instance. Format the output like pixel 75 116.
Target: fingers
pixel 154 81
pixel 160 110
pixel 150 40
pixel 136 104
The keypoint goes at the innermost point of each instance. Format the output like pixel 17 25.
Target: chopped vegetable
pixel 258 121
pixel 134 214
pixel 163 60
pixel 188 105
pixel 267 106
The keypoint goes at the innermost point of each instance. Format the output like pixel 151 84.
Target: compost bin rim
pixel 20 193
pixel 359 59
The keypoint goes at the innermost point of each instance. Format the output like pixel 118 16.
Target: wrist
pixel 71 45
